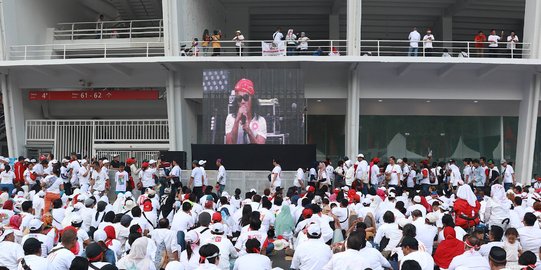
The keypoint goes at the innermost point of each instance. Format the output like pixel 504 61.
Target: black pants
pixel 198 191
pixel 216 51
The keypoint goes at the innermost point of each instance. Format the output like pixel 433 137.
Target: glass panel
pixel 328 133
pixel 414 136
pixel 510 131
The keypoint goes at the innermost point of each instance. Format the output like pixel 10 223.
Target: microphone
pixel 243 119
pixel 245 136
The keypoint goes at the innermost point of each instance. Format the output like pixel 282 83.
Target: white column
pixel 532 28
pixel 354 11
pixel 352 113
pixel 171 22
pixel 527 126
pixel 174 112
pixel 13 115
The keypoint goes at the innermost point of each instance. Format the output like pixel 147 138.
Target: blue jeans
pixel 413 51
pixel 222 187
pixel 9 187
pixel 507 186
pixel 425 188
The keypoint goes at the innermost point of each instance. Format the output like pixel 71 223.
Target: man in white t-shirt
pixel 84 176
pixel 276 175
pixel 196 180
pixel 410 248
pixel 174 174
pixel 221 178
pixel 427 43
pixel 512 41
pixel 98 179
pixel 493 40
pixel 361 174
pixel 393 172
pixel 60 257
pixel 414 38
pixel 12 252
pixel 455 177
pixel 508 175
pixel 277 36
pixel 329 169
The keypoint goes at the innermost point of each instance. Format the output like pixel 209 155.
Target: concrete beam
pixel 401 70
pixel 444 71
pixel 486 70
pixel 122 70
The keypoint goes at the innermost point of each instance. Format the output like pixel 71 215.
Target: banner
pixel 273 48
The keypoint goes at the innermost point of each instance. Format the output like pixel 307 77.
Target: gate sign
pixel 95 95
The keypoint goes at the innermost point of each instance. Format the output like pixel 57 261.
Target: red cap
pixel 357 198
pixel 307 213
pixel 42 158
pixel 147 206
pixel 311 189
pixel 245 85
pixel 217 217
pixel 538 178
pixel 375 160
pixel 144 165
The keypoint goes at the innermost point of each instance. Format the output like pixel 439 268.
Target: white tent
pixel 397 148
pixel 463 151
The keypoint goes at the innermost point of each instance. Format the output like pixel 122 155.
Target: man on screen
pixel 244 125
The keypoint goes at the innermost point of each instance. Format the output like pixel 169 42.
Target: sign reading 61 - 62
pixel 95 95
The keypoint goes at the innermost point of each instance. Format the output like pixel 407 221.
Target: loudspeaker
pixel 178 156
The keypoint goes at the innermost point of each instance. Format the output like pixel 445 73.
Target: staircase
pixel 138 9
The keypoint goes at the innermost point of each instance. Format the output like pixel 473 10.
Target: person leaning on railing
pixel 239 39
pixel 216 45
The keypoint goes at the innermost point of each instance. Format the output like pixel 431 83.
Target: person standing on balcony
pixel 206 40
pixel 291 40
pixel 512 41
pixel 480 40
pixel 414 38
pixel 277 36
pixel 99 27
pixel 427 43
pixel 493 40
pixel 303 44
pixel 216 45
pixel 239 42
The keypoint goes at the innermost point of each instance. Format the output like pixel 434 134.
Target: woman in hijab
pixel 6 212
pixel 497 207
pixel 284 224
pixel 111 241
pixel 137 258
pixel 291 40
pixel 448 248
pixel 466 208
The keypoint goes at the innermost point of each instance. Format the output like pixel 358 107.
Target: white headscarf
pixel 137 259
pixel 464 192
pixel 497 192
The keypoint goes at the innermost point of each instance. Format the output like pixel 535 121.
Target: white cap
pixel 217 228
pixel 54 161
pixel 33 160
pixel 152 161
pixel 314 229
pixel 76 219
pixel 4 233
pixel 105 161
pixel 65 160
pixel 392 194
pixel 83 162
pixel 399 160
pixel 100 235
pixel 417 199
pixel 360 156
pixel 253 190
pixel 202 162
pixel 432 217
pixel 403 222
pixel 345 188
pixel 35 224
pixel 366 201
pixel 26 160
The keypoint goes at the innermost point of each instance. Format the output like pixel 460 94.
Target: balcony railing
pixel 334 48
pixel 109 30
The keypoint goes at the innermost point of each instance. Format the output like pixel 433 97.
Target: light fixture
pixel 476 101
pixel 407 133
pixel 319 100
pixel 428 101
pixel 380 100
pixel 442 134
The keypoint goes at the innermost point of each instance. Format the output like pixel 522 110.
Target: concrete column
pixel 532 28
pixel 352 113
pixel 13 111
pixel 171 22
pixel 175 106
pixel 334 26
pixel 354 11
pixel 447 30
pixel 527 126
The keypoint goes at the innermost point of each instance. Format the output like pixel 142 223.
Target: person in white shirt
pixel 47 241
pixel 373 177
pixel 121 179
pixel 393 172
pixel 529 234
pixel 221 177
pixel 329 170
pixel 371 256
pixel 166 238
pixel 239 41
pixel 6 179
pixel 342 212
pixel 414 38
pixel 183 220
pixel 467 172
pixel 73 168
pixel 361 174
pixel 389 230
pixel 298 183
pixel 84 176
pixel 508 175
pixel 60 257
pixel 227 250
pixel 410 248
pixel 351 258
pixel 278 36
pixel 12 252
pixel 148 174
pixel 53 185
pixel 276 175
pixel 175 174
pixel 303 44
pixel 427 43
pixel 98 179
pixel 32 258
pixel 196 180
pixel 313 253
pixel 471 259
pixel 253 260
pixel 512 41
pixel 493 40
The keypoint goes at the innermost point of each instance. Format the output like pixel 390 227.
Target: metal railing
pixel 86 50
pixel 264 48
pixel 445 49
pixel 81 135
pixel 109 30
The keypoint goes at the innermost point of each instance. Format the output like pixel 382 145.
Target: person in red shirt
pixel 480 40
pixel 18 169
pixel 466 208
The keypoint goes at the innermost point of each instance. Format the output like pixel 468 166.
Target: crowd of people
pixel 76 213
